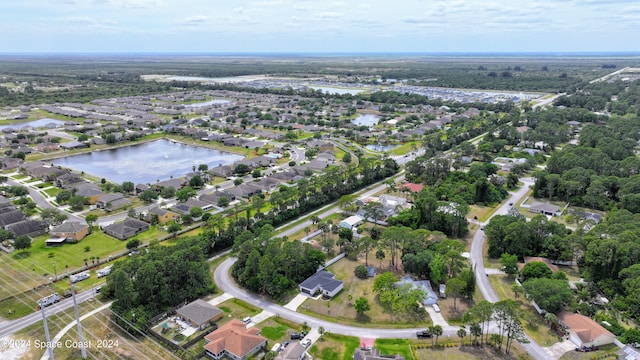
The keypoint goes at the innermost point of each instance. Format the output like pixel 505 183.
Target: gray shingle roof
pixel 199 312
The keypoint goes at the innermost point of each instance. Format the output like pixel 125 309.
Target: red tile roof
pixel 235 338
pixel 586 329
pixel 413 187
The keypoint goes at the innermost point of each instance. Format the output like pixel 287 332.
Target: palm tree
pixel 437 331
pixel 380 255
pixel 462 332
pixel 476 331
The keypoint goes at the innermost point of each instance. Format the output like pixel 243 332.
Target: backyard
pixel 340 309
pixel 534 324
pixel 40 259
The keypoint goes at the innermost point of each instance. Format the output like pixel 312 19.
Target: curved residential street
pixel 225 283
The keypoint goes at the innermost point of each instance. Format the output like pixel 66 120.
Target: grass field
pixel 41 259
pixel 335 347
pixel 469 353
pixel 394 346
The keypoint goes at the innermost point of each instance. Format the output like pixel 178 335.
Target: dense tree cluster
pixel 538 237
pixel 612 257
pixel 272 266
pixel 154 281
pixel 601 172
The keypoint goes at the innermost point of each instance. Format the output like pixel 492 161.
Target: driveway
pixel 556 350
pixel 296 302
pixel 436 317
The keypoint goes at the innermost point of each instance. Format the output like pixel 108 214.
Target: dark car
pixel 297 336
pixel 423 334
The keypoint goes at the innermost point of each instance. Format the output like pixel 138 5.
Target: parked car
pixel 305 342
pixel 246 320
pixel 436 308
pixel 297 336
pixel 423 334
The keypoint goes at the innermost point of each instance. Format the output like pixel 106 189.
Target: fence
pixel 331 262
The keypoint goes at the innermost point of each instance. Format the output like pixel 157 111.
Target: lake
pixel 366 120
pixel 145 163
pixel 34 124
pixel 381 148
pixel 207 103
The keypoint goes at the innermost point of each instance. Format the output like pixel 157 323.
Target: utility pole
pixel 46 332
pixel 55 273
pixel 75 307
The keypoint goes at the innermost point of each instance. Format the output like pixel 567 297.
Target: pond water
pixel 336 90
pixel 366 120
pixel 35 124
pixel 381 148
pixel 148 162
pixel 207 103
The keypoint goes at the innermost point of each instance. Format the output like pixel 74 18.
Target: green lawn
pixel 52 192
pixel 274 332
pixel 40 259
pixel 19 177
pixel 335 347
pixel 394 346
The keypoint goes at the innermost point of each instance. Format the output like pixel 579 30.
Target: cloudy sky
pixel 273 26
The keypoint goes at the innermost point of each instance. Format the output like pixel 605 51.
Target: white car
pixel 305 342
pixel 436 308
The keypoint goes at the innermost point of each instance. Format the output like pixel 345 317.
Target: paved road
pixel 224 282
pixel 19 324
pixel 603 78
pixel 546 101
pixel 482 280
pixel 40 200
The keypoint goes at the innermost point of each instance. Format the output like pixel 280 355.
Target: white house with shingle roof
pixel 322 282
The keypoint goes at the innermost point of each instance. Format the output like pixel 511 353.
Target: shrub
pixel 361 272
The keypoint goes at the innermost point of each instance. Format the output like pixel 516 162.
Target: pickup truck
pixel 423 334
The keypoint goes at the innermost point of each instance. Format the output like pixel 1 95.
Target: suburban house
pixel 199 313
pixel 214 197
pixel 546 209
pixel 294 351
pixel 113 201
pixel 125 229
pixel 583 331
pixel 185 207
pixel 222 171
pixel 11 217
pixel 89 191
pixel 30 228
pixel 244 191
pixel 234 341
pixel 67 180
pixel 164 215
pixel 71 230
pixel 374 354
pixel 322 282
pixel 351 222
pixel 424 285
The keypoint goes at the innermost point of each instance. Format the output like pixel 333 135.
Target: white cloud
pixel 328 15
pixel 196 19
